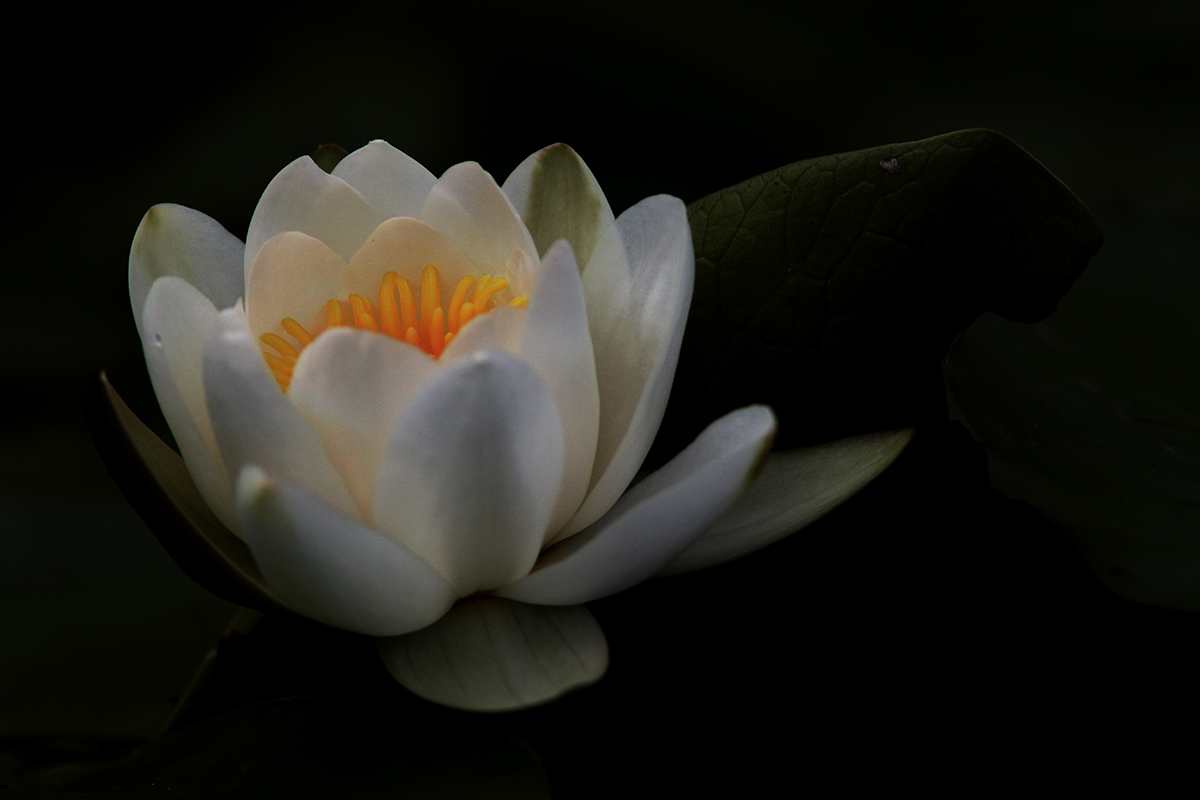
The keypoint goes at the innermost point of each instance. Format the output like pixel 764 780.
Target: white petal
pixel 294 276
pixel 558 197
pixel 405 246
pixel 303 197
pixel 253 421
pixel 392 182
pixel 638 287
pixel 499 329
pixel 489 654
pixel 335 569
pixel 176 320
pixel 557 342
pixel 794 488
pixel 656 519
pixel 174 240
pixel 472 472
pixel 469 209
pixel 352 386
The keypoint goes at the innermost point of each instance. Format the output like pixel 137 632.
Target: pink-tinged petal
pixel 392 182
pixel 794 488
pixel 489 654
pixel 557 342
pixel 469 209
pixel 472 472
pixel 255 423
pixel 176 320
pixel 293 276
pixel 335 569
pixel 175 240
pixel 352 386
pixel 656 519
pixel 405 246
pixel 304 198
pixel 638 287
pixel 558 197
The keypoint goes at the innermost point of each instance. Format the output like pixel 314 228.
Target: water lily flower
pixel 421 403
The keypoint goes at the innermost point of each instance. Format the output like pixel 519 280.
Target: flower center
pixel 425 325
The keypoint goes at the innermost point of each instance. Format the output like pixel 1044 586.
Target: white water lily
pixel 420 402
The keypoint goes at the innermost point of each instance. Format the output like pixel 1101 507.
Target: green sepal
pixel 156 482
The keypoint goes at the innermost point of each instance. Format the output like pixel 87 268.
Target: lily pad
pixel 1093 415
pixel 832 288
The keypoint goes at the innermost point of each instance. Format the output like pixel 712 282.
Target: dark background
pixel 927 625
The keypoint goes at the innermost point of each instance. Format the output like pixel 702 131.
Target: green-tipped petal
pixel 175 240
pixel 558 197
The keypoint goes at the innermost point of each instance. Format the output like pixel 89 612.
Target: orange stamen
pixel 281 345
pixel 279 364
pixel 364 313
pixel 408 306
pixel 437 332
pixel 466 315
pixel 456 301
pixel 297 331
pixel 389 311
pixel 481 296
pixel 432 329
pixel 430 299
pixel 333 310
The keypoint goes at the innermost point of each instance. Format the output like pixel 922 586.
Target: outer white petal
pixel 638 287
pixel 558 197
pixel 175 322
pixel 352 386
pixel 557 342
pixel 294 276
pixel 489 654
pixel 174 240
pixel 335 569
pixel 405 246
pixel 469 209
pixel 795 487
pixel 471 475
pixel 656 519
pixel 392 182
pixel 303 197
pixel 252 419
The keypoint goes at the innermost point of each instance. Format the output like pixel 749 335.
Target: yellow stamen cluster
pixel 430 329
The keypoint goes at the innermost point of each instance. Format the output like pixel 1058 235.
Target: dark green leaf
pixel 1093 415
pixel 156 483
pixel 832 288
